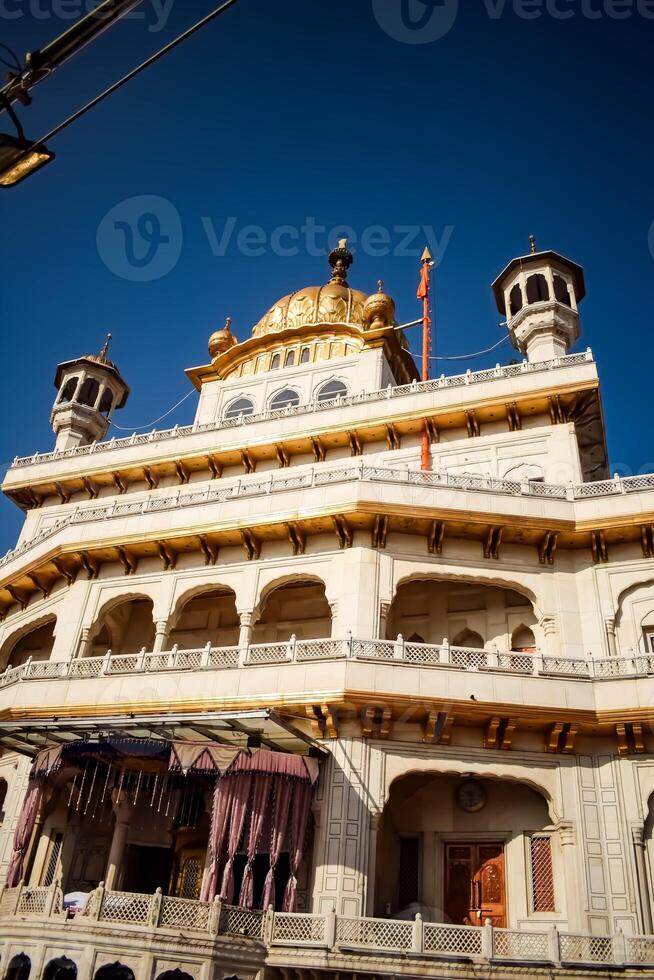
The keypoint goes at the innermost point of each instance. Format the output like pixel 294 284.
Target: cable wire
pixel 464 357
pixel 149 425
pixel 137 71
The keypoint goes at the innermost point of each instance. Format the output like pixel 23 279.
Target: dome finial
pixel 104 350
pixel 222 340
pixel 340 259
pixel 532 244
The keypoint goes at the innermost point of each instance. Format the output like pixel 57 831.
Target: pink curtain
pixel 299 821
pixel 222 806
pixel 24 829
pixel 283 792
pixel 239 810
pixel 260 797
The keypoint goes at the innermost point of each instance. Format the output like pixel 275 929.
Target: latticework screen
pixel 542 875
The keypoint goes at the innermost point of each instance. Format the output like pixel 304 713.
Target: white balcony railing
pixel 422 655
pixel 287 932
pixel 399 391
pixel 320 476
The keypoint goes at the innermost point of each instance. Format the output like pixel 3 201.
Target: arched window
pixel 523 640
pixel 561 291
pixel 276 362
pixel 106 401
pixel 284 399
pixel 69 390
pixel 19 967
pixel 331 390
pixel 242 406
pixel 468 638
pixel 305 356
pixel 114 971
pixel 515 299
pixel 60 969
pixel 290 359
pixel 537 288
pixel 89 392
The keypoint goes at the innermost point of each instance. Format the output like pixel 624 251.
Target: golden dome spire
pixel 340 259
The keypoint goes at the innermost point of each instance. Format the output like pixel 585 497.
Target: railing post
pixel 349 645
pixel 553 945
pixel 206 655
pixel 417 934
pixel 26 668
pixel 291 647
pixel 398 648
pixel 52 897
pixel 444 653
pixel 330 928
pixel 619 948
pixel 156 902
pixel 215 915
pixel 97 897
pixel 106 663
pixel 19 892
pixel 268 926
pixel 141 662
pixel 487 940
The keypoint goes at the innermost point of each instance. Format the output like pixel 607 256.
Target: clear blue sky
pixel 286 111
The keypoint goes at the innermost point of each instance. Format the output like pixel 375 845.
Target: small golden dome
pixel 222 340
pixel 379 310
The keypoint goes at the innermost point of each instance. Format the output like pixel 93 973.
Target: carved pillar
pixel 384 611
pixel 375 820
pixel 640 852
pixel 123 812
pixel 609 625
pixel 85 643
pixel 548 626
pixel 334 608
pixel 245 634
pixel 573 895
pixel 162 632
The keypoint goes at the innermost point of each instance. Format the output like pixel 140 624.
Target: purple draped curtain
pixel 241 796
pixel 299 821
pixel 24 829
pixel 283 792
pixel 222 805
pixel 260 797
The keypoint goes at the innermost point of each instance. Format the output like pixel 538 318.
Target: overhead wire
pixel 149 425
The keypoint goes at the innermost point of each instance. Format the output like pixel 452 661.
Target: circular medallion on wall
pixel 471 795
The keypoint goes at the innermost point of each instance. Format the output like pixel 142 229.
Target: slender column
pixel 375 819
pixel 245 633
pixel 548 626
pixel 85 642
pixel 123 812
pixel 384 610
pixel 99 398
pixel 162 632
pixel 609 625
pixel 640 851
pixel 573 899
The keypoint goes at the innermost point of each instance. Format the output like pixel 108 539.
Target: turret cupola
pixel 90 389
pixel 539 295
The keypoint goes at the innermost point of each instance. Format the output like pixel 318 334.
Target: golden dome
pixel 333 303
pixel 379 310
pixel 222 340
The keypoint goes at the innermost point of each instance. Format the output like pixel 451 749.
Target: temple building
pixel 278 700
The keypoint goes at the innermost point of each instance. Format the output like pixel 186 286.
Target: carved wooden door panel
pixel 474 884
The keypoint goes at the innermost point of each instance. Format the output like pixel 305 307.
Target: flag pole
pixel 423 294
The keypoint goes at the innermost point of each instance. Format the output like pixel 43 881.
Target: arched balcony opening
pixel 447 845
pixel 538 290
pixel 297 608
pixel 207 617
pixel 174 975
pixel 126 627
pixel 114 971
pixel 89 392
pixel 35 644
pixel 68 391
pixel 466 614
pixel 19 967
pixel 515 299
pixel 61 968
pixel 523 640
pixel 561 291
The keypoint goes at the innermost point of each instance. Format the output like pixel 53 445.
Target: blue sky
pixel 328 113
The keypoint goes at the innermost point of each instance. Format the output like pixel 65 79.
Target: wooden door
pixel 474 884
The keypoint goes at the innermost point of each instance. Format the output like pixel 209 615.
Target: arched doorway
pixel 449 845
pixel 114 971
pixel 35 644
pixel 174 975
pixel 126 627
pixel 206 617
pixel 19 968
pixel 467 614
pixel 297 608
pixel 60 969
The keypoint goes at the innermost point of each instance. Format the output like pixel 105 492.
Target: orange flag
pixel 423 288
